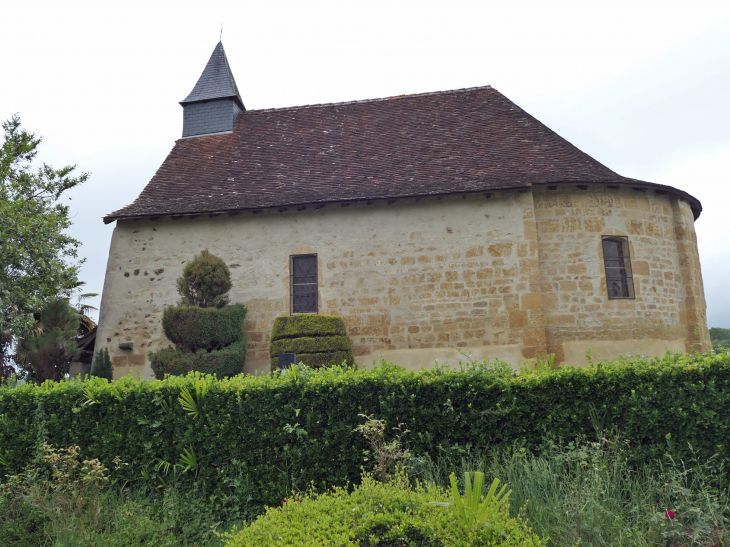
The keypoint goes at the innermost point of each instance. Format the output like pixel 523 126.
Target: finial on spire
pixel 221 38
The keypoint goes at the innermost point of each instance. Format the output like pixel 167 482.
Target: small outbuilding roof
pixel 451 142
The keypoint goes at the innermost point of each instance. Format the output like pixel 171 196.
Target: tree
pixel 37 260
pixel 204 282
pixel 102 366
pixel 47 353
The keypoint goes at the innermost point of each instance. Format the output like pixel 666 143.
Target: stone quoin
pixel 433 224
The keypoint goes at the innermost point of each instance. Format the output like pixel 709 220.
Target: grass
pixel 589 492
pixel 577 493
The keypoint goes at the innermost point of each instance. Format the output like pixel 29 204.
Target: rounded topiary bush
pixel 205 281
pixel 318 340
pixel 192 328
pixel 224 362
pixel 207 333
pixel 377 514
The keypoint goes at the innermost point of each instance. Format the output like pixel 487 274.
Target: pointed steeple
pixel 214 103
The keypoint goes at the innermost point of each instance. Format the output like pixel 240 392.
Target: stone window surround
pixel 292 274
pixel 627 273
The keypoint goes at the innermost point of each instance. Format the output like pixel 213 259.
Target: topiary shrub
pixel 377 514
pixel 207 333
pixel 204 282
pixel 224 362
pixel 192 328
pixel 318 340
pixel 102 366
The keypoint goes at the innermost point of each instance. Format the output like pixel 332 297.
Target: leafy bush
pixel 204 282
pixel 208 333
pixel 320 341
pixel 221 363
pixel 377 514
pixel 102 367
pixel 288 430
pixel 192 328
pixel 61 500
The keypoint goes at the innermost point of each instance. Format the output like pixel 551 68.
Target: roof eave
pixel 694 203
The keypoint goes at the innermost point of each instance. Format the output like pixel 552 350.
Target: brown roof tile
pixel 458 141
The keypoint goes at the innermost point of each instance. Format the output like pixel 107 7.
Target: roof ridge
pixel 360 101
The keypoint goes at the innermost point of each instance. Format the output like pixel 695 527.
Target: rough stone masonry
pixel 509 276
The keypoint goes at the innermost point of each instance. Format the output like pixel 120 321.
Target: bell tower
pixel 214 103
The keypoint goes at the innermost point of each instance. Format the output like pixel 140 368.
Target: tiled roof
pixel 468 140
pixel 216 81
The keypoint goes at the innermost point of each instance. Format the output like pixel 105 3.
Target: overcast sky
pixel 643 87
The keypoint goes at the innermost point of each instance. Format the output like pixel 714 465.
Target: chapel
pixel 440 226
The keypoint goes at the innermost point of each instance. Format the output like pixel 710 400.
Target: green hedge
pixel 283 431
pixel 192 328
pixel 305 325
pixel 311 345
pixel 225 362
pixel 320 341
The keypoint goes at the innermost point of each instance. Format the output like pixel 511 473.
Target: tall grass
pixel 589 492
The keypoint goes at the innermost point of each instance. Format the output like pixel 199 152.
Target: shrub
pixel 207 332
pixel 204 282
pixel 288 430
pixel 47 354
pixel 61 500
pixel 720 338
pixel 102 367
pixel 320 341
pixel 222 363
pixel 376 514
pixel 192 328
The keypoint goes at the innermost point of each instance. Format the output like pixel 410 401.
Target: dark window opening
pixel 616 260
pixel 304 284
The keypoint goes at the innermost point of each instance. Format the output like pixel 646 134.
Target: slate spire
pixel 214 103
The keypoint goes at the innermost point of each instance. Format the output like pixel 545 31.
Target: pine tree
pixel 47 352
pixel 102 367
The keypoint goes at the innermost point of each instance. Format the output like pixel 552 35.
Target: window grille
pixel 304 284
pixel 617 262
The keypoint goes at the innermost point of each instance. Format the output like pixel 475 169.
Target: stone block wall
pixel 578 314
pixel 502 275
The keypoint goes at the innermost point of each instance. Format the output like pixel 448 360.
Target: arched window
pixel 616 260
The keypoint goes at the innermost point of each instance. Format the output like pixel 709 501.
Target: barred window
pixel 616 260
pixel 304 284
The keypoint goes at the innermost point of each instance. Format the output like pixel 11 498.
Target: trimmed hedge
pixel 285 430
pixel 320 341
pixel 222 363
pixel 305 325
pixel 311 345
pixel 192 328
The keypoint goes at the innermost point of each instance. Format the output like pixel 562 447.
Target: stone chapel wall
pixel 578 314
pixel 506 275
